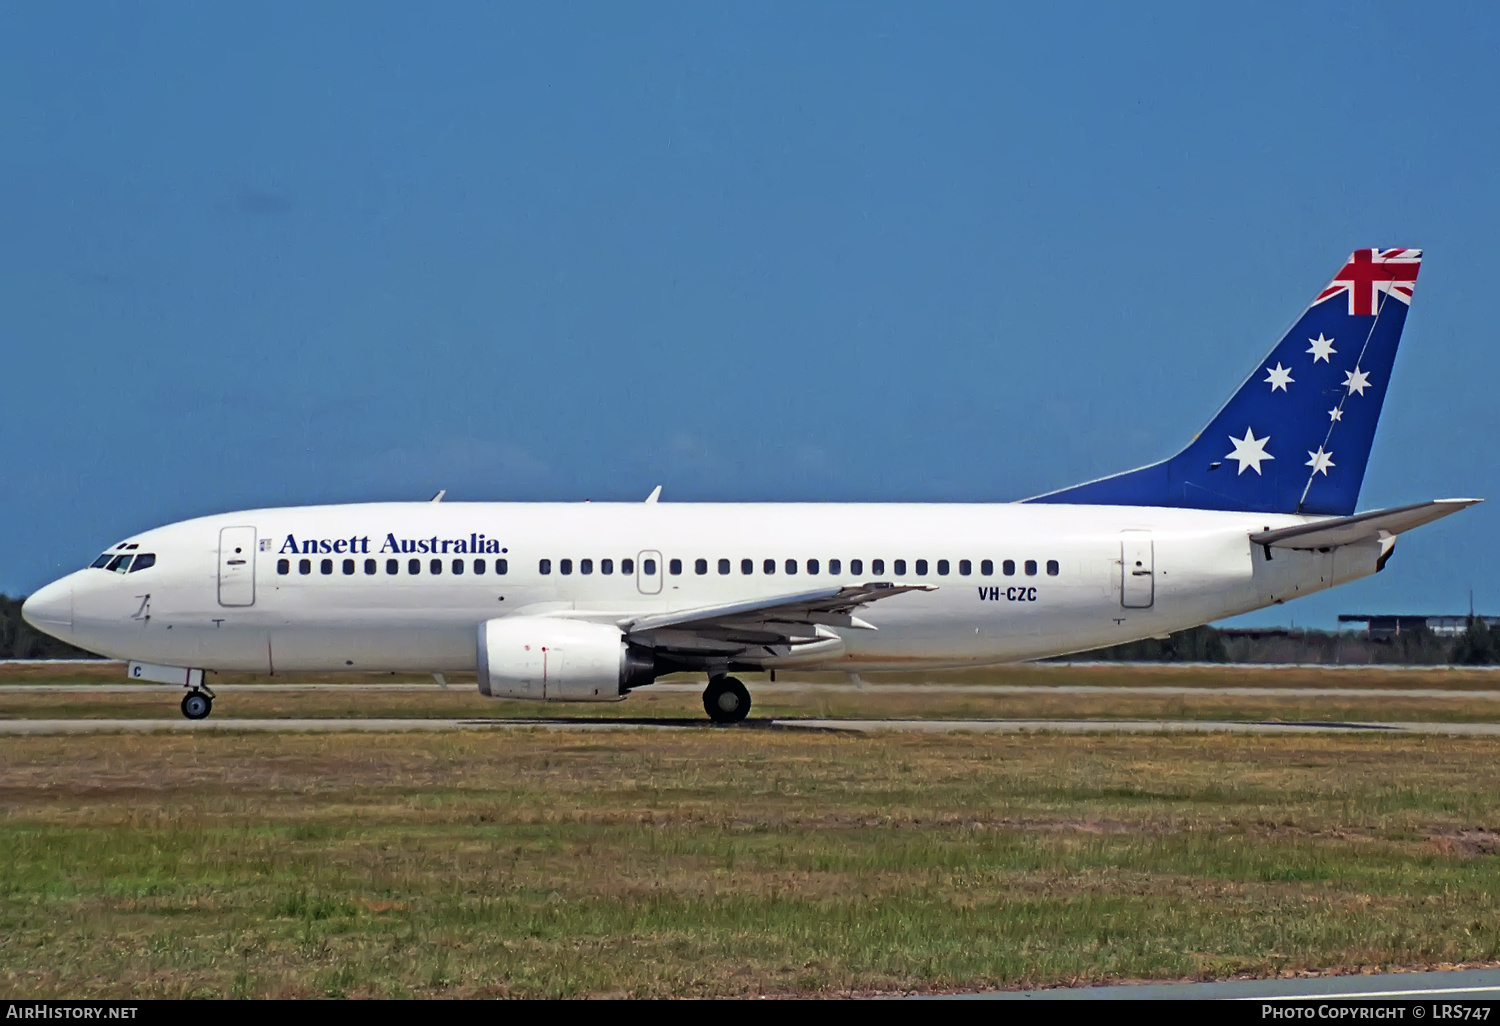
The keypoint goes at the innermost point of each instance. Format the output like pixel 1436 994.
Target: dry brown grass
pixel 1097 674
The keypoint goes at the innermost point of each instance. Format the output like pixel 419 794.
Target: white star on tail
pixel 1335 414
pixel 1356 381
pixel 1279 378
pixel 1249 451
pixel 1320 461
pixel 1322 348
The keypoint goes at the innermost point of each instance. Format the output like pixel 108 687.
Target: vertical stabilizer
pixel 1297 435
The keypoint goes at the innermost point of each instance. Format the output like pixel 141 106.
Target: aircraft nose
pixel 50 610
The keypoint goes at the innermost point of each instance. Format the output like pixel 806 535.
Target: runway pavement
pixel 339 725
pixel 1453 986
pixel 792 687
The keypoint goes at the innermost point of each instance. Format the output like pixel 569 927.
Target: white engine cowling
pixel 558 660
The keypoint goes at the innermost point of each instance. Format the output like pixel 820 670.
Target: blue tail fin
pixel 1296 437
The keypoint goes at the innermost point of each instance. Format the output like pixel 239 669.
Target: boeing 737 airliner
pixel 586 602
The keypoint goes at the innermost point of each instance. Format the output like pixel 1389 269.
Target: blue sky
pixel 282 254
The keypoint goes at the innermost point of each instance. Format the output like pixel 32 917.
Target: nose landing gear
pixel 198 703
pixel 726 700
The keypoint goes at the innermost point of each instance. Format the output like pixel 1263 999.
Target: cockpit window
pixel 120 564
pixel 142 561
pixel 102 561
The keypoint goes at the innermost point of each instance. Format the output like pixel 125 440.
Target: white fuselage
pixel 1117 574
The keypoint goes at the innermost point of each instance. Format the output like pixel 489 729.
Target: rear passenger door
pixel 1137 570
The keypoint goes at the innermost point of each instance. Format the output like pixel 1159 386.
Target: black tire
pixel 196 705
pixel 726 700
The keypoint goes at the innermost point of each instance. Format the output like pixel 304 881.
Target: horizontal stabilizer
pixel 1326 534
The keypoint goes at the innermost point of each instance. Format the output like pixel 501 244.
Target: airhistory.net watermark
pixel 52 1010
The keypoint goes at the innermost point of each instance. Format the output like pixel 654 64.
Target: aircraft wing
pixel 1335 531
pixel 779 622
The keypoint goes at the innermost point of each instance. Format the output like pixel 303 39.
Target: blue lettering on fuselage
pixel 476 542
pixel 359 544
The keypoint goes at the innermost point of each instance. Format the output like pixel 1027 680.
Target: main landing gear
pixel 198 703
pixel 726 700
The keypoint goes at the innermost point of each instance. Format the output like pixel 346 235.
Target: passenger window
pixel 812 566
pixel 1008 568
pixel 435 567
pixel 393 566
pixel 877 566
pixel 370 566
pixel 700 566
pixel 856 566
pixel 1053 569
pixel 965 568
pixel 723 566
pixel 648 566
pixel 987 567
pixel 747 566
pixel 606 567
pixel 326 566
pixel 791 566
pixel 458 566
pixel 348 567
pixel 834 566
pixel 585 566
pixel 544 566
pixel 674 567
pixel 283 566
pixel 304 566
pixel 479 566
pixel 900 567
pixel 942 566
pixel 1031 568
pixel 565 566
pixel 921 568
pixel 768 567
pixel 502 566
pixel 120 564
pixel 413 566
pixel 143 561
pixel 627 566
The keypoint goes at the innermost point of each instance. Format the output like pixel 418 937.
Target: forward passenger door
pixel 237 566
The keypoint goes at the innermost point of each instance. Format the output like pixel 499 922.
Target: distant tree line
pixel 1477 646
pixel 19 640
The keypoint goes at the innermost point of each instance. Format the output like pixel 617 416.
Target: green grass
pixel 732 862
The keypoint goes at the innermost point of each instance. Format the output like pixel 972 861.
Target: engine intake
pixel 557 660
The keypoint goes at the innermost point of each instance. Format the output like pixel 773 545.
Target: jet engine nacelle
pixel 556 660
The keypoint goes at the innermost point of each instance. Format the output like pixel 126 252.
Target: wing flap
pixel 778 622
pixel 831 606
pixel 1326 534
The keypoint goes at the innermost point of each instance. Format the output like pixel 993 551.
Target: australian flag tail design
pixel 1297 435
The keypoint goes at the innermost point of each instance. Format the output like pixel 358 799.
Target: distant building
pixel 1385 627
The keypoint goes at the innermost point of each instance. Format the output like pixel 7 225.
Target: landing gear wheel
pixel 726 700
pixel 196 705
